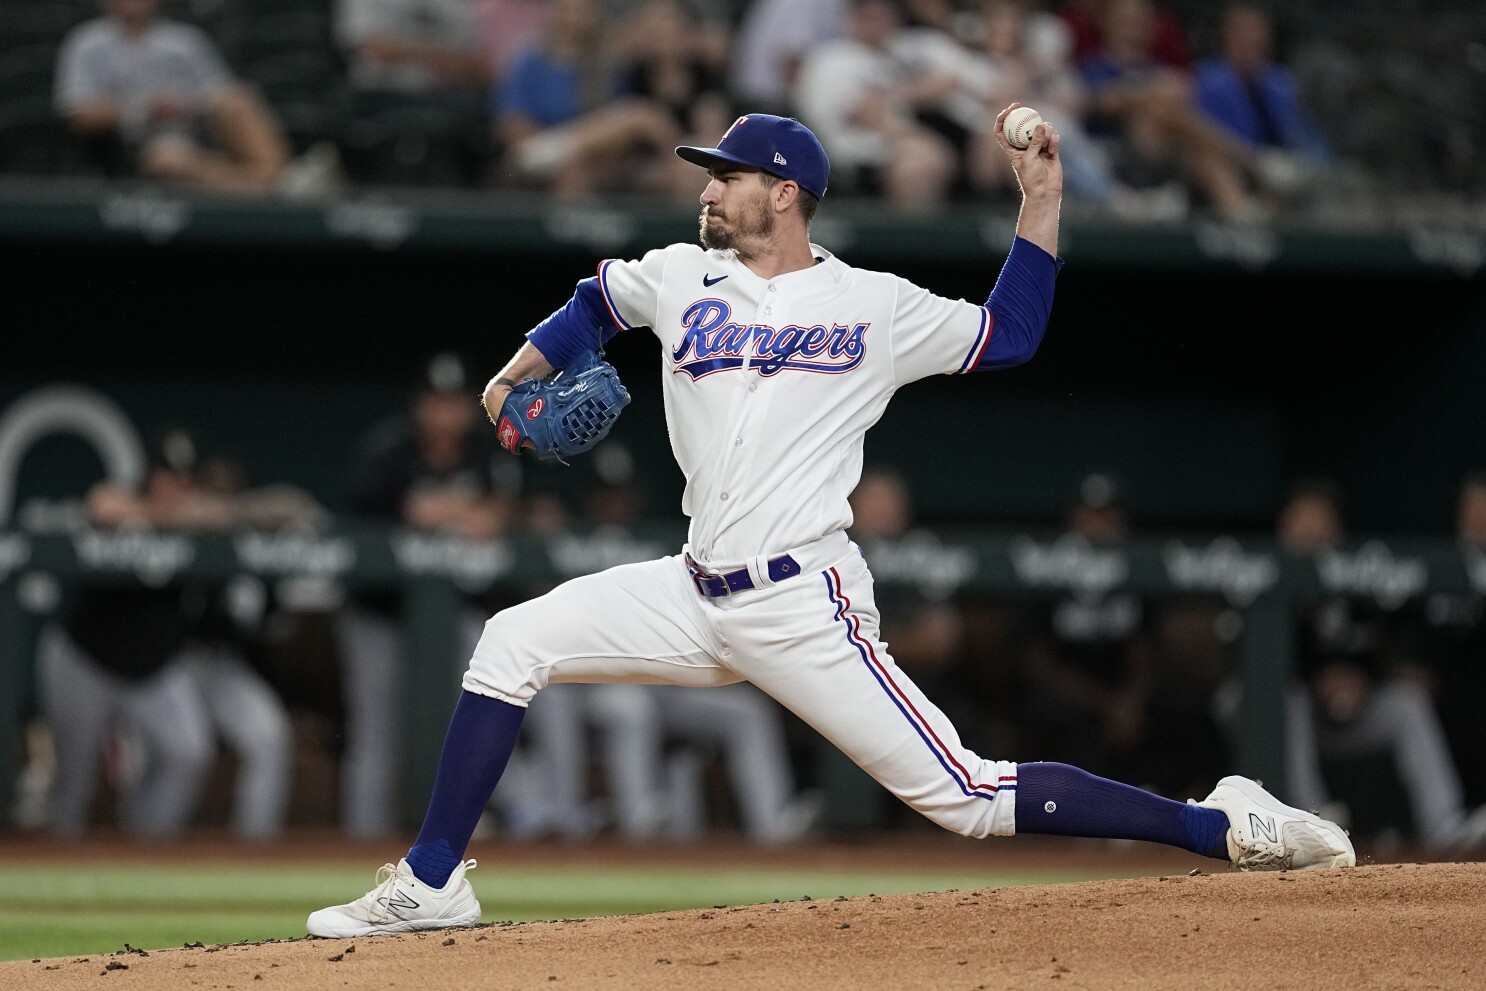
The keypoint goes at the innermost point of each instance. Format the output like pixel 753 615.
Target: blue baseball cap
pixel 781 146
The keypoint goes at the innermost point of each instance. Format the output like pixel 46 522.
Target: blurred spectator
pixel 153 96
pixel 1244 90
pixel 1026 57
pixel 161 673
pixel 667 67
pixel 1090 662
pixel 862 103
pixel 418 79
pixel 773 40
pixel 562 116
pixel 508 28
pixel 412 45
pixel 1358 697
pixel 1150 110
pixel 1258 101
pixel 927 52
pixel 1452 645
pixel 1165 44
pixel 438 471
pixel 937 15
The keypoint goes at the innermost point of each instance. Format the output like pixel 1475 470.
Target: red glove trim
pixel 509 435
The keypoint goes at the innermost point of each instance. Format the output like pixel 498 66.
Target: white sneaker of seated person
pixel 401 903
pixel 1265 834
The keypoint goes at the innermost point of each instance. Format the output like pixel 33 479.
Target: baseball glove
pixel 565 414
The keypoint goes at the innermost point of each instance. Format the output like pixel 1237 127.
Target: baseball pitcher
pixel 776 358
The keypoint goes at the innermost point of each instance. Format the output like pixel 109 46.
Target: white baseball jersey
pixel 771 384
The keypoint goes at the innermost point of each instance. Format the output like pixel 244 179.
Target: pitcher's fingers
pixel 1006 146
pixel 1051 148
pixel 1001 128
pixel 1039 138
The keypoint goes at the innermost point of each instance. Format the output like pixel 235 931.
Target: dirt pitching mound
pixel 1391 926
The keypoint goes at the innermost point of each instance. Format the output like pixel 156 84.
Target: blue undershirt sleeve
pixel 1020 306
pixel 584 324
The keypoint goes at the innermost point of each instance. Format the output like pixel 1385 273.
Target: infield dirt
pixel 1389 926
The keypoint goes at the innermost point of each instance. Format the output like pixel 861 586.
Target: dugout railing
pixel 435 572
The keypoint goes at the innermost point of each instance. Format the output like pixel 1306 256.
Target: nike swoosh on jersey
pixel 710 282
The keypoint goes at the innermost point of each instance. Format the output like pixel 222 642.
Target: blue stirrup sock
pixel 1062 800
pixel 477 747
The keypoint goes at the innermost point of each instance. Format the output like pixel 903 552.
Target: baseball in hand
pixel 1018 126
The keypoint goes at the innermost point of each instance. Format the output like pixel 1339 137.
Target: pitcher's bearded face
pixel 745 221
pixel 735 209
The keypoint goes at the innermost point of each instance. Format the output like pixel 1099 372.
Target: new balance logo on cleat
pixel 1265 826
pixel 779 159
pixel 400 900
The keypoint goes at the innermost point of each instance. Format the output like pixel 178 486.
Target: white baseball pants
pixel 811 641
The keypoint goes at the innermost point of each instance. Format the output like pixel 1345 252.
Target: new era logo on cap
pixel 760 141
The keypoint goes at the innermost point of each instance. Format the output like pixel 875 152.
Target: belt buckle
pixel 699 578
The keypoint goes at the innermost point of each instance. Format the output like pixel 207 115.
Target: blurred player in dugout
pixel 1364 689
pixel 154 676
pixel 435 470
pixel 1117 680
pixel 1451 633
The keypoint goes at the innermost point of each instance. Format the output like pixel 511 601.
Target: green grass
pixel 71 909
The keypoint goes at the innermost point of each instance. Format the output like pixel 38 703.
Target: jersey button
pixel 738 442
pixel 773 287
pixel 753 387
pixel 724 497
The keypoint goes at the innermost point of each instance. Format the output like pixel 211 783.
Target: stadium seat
pixel 280 34
pixel 34 140
pixel 393 139
pixel 27 71
pixel 30 22
pixel 293 76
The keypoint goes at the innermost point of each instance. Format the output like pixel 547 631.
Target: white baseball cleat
pixel 401 903
pixel 1265 834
